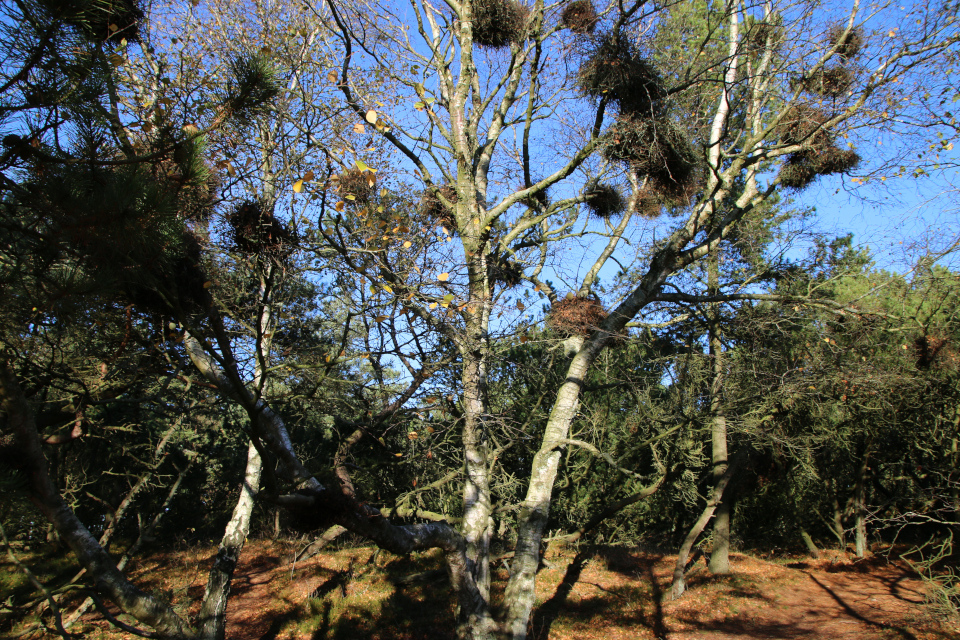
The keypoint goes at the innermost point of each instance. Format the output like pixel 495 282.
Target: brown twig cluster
pixel 604 200
pixel 497 24
pixel 848 43
pixel 505 271
pixel 835 81
pixel 643 136
pixel 538 201
pixel 253 229
pixel 435 211
pixel 658 149
pixel 615 70
pixel 832 82
pixel 580 17
pixel 576 316
pixel 804 124
pixel 763 34
pixel 357 183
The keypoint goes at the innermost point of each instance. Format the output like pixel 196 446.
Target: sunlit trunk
pixel 213 611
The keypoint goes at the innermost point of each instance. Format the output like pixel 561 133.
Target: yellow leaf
pixel 358 128
pixel 381 318
pixel 207 284
pixel 332 76
pixel 340 205
pixel 387 288
pixel 371 116
pixel 443 277
pixel 399 455
pixel 433 305
pixel 363 166
pixel 298 186
pixel 407 244
pixel 430 429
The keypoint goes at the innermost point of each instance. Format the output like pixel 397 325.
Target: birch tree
pixel 771 96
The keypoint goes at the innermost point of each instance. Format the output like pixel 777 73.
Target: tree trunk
pixel 679 585
pixel 213 610
pixel 535 509
pixel 810 544
pixel 477 509
pixel 720 556
pixel 860 508
pixel 836 521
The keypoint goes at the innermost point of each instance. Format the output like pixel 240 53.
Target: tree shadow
pixel 546 614
pixel 853 613
pixel 610 605
pixel 410 611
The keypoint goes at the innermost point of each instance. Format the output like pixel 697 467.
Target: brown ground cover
pixel 353 594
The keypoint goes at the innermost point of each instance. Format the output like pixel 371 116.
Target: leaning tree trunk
pixel 809 544
pixel 679 584
pixel 20 441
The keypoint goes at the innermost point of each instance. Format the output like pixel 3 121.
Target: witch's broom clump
pixel 832 82
pixel 576 316
pixel 580 17
pixel 803 124
pixel 643 136
pixel 764 34
pixel 615 70
pixel 659 150
pixel 255 230
pixel 505 271
pixel 847 42
pixel 434 210
pixel 497 24
pixel 357 186
pixel 604 200
pixel 835 81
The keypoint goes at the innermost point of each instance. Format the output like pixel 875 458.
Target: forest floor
pixel 356 593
